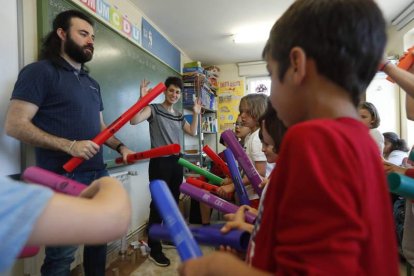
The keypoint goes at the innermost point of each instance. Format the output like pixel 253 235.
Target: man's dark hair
pixel 345 38
pixel 174 81
pixel 51 45
pixel 274 126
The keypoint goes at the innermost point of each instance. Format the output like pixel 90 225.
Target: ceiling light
pixel 251 36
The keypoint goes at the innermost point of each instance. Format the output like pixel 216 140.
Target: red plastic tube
pixel 217 160
pixel 101 138
pixel 155 152
pixel 202 185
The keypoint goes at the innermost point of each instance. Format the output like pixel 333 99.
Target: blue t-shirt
pixel 20 207
pixel 69 104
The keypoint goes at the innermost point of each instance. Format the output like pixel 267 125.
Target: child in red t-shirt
pixel 327 209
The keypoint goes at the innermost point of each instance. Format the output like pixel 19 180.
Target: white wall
pixel 398 42
pixel 9 62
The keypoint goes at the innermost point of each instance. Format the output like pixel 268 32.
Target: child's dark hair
pixel 396 142
pixel 376 120
pixel 174 81
pixel 274 126
pixel 345 38
pixel 51 45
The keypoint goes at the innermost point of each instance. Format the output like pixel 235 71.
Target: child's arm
pixel 102 217
pixel 218 263
pixel 403 78
pixel 389 168
pixel 409 107
pixel 260 167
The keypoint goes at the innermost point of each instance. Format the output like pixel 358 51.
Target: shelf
pixel 208 110
pixel 191 154
pixel 205 109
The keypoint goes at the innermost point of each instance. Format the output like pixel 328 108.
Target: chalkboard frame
pixel 141 141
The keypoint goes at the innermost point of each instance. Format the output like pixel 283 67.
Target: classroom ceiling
pixel 203 29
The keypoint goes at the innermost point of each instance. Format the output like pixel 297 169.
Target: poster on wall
pixel 229 95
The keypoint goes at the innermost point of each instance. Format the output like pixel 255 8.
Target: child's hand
pixel 91 190
pixel 264 182
pixel 389 168
pixel 237 220
pixel 96 186
pixel 226 181
pixel 225 191
pixel 234 252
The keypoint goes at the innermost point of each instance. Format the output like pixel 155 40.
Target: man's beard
pixel 76 52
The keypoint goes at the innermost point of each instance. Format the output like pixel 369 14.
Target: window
pixel 385 96
pixel 258 85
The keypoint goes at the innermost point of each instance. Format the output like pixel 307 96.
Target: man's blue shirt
pixel 69 104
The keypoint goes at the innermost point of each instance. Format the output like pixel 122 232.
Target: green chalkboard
pixel 118 65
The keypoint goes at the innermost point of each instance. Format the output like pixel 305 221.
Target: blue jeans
pixel 58 259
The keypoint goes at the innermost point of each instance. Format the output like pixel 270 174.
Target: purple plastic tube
pixel 180 234
pixel 208 235
pixel 231 141
pixel 54 181
pixel 236 177
pixel 213 201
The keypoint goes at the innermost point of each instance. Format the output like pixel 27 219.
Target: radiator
pixel 118 246
pixel 32 265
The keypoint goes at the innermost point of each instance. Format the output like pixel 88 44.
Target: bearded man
pixel 57 107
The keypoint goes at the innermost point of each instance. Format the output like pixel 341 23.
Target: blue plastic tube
pixel 231 141
pixel 208 235
pixel 181 236
pixel 236 177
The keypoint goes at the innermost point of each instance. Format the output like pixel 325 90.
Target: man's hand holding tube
pixel 124 151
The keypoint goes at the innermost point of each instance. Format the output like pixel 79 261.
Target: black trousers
pixel 167 169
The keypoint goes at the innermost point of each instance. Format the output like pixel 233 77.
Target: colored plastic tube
pixel 152 153
pixel 236 177
pixel 29 251
pixel 183 239
pixel 244 161
pixel 217 160
pixel 202 185
pixel 101 138
pixel 54 181
pixel 213 201
pixel 214 179
pixel 401 185
pixel 208 235
pixel 411 155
